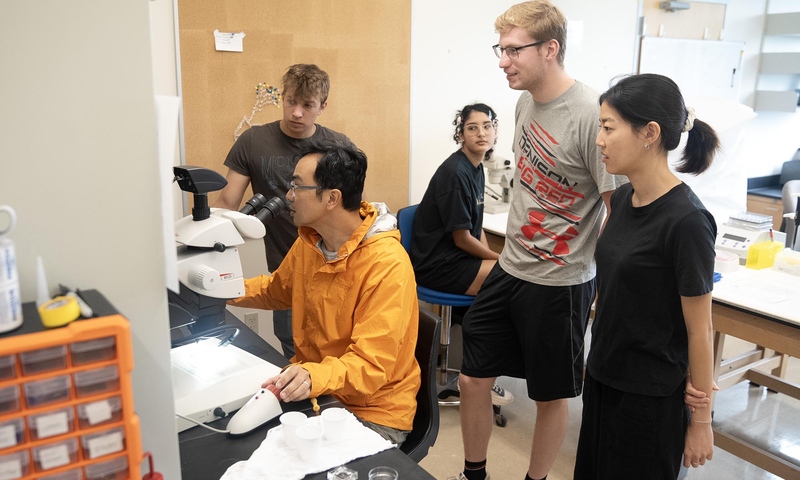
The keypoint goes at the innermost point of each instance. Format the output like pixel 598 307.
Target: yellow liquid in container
pixel 762 255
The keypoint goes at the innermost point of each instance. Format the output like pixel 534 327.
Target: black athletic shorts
pixel 524 330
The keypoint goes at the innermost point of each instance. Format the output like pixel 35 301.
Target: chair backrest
pixel 426 421
pixel 789 196
pixel 789 171
pixel 405 222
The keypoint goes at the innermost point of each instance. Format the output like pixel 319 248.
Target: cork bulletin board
pixel 363 45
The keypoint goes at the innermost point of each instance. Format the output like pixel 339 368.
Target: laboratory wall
pixel 78 149
pixel 452 64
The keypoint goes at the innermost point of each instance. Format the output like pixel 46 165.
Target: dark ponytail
pixel 701 146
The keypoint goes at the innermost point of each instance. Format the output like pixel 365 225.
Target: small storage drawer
pixel 15 465
pixel 116 469
pixel 54 455
pixel 43 360
pixel 49 390
pixel 74 474
pixel 12 432
pixel 9 399
pixel 96 350
pixel 52 423
pixel 93 382
pixel 99 412
pixel 8 367
pixel 103 443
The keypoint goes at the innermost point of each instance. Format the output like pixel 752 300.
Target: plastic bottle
pixel 10 300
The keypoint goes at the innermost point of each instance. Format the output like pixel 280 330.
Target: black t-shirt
pixel 647 258
pixel 453 201
pixel 267 155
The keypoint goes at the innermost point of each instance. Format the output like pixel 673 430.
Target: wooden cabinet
pixel 767 206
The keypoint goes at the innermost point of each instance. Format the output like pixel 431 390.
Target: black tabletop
pixel 207 455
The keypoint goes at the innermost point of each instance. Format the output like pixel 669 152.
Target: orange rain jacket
pixel 354 319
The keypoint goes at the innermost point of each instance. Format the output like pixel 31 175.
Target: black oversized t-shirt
pixel 647 258
pixel 453 201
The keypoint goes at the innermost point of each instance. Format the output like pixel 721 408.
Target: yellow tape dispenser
pixel 59 311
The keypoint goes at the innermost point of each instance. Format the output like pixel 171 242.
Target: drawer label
pixel 53 424
pixel 98 412
pixel 8 436
pixel 10 470
pixel 53 457
pixel 105 445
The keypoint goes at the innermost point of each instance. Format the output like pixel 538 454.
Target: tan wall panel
pixel 689 23
pixel 369 70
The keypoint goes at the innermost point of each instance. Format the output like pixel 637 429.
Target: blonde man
pixel 529 318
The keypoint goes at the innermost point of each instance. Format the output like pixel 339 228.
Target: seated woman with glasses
pixel 449 250
pixel 448 247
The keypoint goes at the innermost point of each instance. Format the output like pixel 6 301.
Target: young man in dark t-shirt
pixel 265 156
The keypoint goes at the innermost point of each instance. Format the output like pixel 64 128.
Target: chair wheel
pixel 500 420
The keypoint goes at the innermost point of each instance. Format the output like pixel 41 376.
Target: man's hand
pixel 294 383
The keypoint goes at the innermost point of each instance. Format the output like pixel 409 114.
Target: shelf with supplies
pixel 66 401
pixel 782 65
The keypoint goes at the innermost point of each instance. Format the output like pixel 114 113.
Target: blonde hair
pixel 541 19
pixel 305 81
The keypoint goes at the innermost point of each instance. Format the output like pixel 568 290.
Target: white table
pixel 494 224
pixel 761 307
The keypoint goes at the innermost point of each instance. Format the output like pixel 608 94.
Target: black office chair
pixel 426 421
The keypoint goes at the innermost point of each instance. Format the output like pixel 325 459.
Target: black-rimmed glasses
pixel 294 187
pixel 513 52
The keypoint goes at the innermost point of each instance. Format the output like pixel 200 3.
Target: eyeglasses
pixel 474 129
pixel 513 52
pixel 294 187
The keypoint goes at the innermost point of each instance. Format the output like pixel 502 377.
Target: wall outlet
pixel 251 320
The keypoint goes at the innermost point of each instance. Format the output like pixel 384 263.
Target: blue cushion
pixel 442 298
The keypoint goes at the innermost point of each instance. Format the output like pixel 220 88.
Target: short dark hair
pixel 341 166
pixel 649 97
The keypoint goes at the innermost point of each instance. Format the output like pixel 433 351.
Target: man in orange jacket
pixel 351 288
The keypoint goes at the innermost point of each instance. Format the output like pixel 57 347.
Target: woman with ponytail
pixel 655 262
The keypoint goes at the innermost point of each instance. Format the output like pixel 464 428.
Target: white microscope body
pixel 213 268
pixel 499 172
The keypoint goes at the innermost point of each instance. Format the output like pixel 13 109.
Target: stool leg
pixel 444 343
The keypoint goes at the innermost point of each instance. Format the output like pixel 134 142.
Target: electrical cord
pixel 201 424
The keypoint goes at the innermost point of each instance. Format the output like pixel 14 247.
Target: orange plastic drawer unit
pixel 66 402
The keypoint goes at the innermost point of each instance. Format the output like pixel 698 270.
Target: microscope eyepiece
pixel 254 204
pixel 272 209
pixel 263 209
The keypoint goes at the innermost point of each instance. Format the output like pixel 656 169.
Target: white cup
pixel 335 422
pixel 309 441
pixel 291 421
